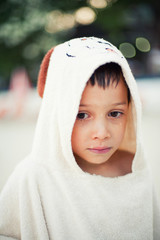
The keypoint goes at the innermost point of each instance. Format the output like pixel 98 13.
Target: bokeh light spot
pixel 58 21
pixel 85 15
pixel 127 49
pixel 143 44
pixel 98 3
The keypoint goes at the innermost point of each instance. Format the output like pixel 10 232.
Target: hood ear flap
pixel 43 72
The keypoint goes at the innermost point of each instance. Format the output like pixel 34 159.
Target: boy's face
pixel 100 124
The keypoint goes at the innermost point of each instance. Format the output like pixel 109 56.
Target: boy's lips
pixel 99 149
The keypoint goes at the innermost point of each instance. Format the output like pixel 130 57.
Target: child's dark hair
pixel 106 74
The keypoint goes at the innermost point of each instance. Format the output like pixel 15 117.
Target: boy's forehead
pixel 112 82
pixel 96 95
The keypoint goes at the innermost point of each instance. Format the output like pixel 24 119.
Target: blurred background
pixel 29 28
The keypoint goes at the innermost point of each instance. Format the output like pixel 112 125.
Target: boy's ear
pixel 43 72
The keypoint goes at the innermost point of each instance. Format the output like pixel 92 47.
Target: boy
pixel 100 125
pixel 86 177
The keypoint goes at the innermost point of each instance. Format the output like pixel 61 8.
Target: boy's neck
pixel 118 165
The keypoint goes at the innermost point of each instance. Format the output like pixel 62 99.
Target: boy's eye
pixel 82 116
pixel 115 114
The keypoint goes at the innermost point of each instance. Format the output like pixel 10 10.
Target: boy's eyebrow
pixel 119 103
pixel 114 104
pixel 84 105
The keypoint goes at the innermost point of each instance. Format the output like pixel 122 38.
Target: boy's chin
pixel 92 161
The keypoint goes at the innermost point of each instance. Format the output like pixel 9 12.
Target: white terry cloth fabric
pixel 48 197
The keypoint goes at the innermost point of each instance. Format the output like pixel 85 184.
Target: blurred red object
pixel 19 98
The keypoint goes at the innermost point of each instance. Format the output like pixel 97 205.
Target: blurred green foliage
pixel 22 29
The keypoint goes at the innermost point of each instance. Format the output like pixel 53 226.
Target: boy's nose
pixel 101 131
